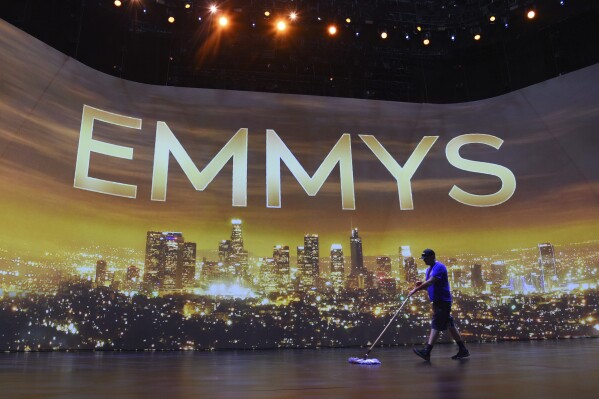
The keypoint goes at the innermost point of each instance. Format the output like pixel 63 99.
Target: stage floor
pixel 551 369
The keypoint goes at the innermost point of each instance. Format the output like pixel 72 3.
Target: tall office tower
pixel 236 236
pixel 188 269
pixel 301 267
pixel 132 274
pixel 357 259
pixel 383 267
pixel 337 267
pixel 547 265
pixel 410 271
pixel 224 250
pixel 476 278
pixel 311 270
pixel 238 256
pixel 280 255
pixel 170 274
pixel 101 273
pixel 170 261
pixel 154 257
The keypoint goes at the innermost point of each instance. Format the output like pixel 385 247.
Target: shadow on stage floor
pixel 538 369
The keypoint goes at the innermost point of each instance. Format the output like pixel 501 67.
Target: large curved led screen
pixel 145 217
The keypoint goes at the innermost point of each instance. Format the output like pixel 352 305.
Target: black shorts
pixel 442 316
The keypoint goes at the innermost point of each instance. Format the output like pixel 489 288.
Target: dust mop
pixel 366 360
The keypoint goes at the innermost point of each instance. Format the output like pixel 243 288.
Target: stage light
pixel 281 25
pixel 213 8
pixel 384 35
pixel 477 37
pixel 531 14
pixel 348 20
pixel 332 30
pixel 223 21
pixel 293 16
pixel 118 3
pixel 171 19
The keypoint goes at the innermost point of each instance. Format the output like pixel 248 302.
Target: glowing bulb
pixel 531 14
pixel 117 3
pixel 171 19
pixel 477 37
pixel 281 26
pixel 419 28
pixel 348 20
pixel 492 18
pixel 384 35
pixel 187 6
pixel 267 13
pixel 293 16
pixel 213 9
pixel 332 30
pixel 426 42
pixel 223 21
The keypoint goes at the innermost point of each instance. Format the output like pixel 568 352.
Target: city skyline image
pixel 137 216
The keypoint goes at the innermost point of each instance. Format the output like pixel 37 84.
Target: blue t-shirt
pixel 440 290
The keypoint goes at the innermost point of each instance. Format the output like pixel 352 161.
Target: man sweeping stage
pixel 439 293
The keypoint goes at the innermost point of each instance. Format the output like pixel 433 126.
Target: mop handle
pixel 388 324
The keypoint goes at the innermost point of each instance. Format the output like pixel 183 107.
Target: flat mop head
pixel 366 361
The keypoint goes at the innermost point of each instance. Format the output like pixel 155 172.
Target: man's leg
pixel 426 352
pixel 462 351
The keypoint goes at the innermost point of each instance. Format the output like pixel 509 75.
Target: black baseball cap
pixel 427 252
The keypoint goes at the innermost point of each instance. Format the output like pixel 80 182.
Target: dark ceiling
pixel 136 42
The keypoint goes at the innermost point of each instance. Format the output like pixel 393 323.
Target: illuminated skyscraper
pixel 170 261
pixel 357 259
pixel 410 271
pixel 237 261
pixel 311 269
pixel 101 273
pixel 236 236
pixel 154 257
pixel 547 266
pixel 170 275
pixel 189 264
pixel 224 250
pixel 280 255
pixel 337 266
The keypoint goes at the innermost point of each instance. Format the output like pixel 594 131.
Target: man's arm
pixel 422 286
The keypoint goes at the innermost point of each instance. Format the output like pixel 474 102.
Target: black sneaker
pixel 423 354
pixel 462 354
